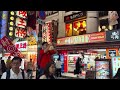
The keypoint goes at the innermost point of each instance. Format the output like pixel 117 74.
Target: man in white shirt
pixel 15 72
pixel 58 67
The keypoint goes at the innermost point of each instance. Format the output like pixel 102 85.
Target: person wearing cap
pixel 15 72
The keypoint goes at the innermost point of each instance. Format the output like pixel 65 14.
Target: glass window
pixel 69 29
pixel 79 28
pixel 76 28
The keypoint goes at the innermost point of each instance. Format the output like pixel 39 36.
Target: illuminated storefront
pixel 90 46
pixel 75 24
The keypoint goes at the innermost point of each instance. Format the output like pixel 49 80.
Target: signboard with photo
pixel 102 70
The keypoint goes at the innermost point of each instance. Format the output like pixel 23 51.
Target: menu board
pixel 102 70
pixel 115 65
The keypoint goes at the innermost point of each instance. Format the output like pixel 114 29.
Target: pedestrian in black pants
pixel 58 68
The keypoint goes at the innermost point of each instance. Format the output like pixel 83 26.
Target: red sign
pixel 9 47
pixel 97 37
pixel 20 32
pixel 22 14
pixel 82 39
pixel 21 46
pixel 21 22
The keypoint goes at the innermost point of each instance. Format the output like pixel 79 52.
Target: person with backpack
pixel 15 72
pixel 46 55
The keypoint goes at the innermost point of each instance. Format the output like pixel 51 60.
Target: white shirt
pixel 14 76
pixel 58 64
pixel 43 77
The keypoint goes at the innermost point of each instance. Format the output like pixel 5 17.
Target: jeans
pixel 40 72
pixel 29 74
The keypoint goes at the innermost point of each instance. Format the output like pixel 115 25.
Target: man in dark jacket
pixel 2 67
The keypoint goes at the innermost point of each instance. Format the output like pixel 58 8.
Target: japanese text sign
pixel 20 32
pixel 22 14
pixel 20 22
pixel 9 47
pixel 21 46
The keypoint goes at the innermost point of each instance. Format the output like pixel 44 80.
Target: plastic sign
pixel 22 14
pixel 21 46
pixel 82 39
pixel 20 22
pixel 20 32
pixel 9 47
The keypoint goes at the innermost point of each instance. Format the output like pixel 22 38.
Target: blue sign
pixel 4 24
pixel 42 15
pixel 62 60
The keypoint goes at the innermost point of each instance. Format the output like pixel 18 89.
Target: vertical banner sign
pixel 21 23
pixel 9 47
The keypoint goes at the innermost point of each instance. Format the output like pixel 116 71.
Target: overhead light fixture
pixel 10 33
pixel 11 28
pixel 12 13
pixel 11 23
pixel 11 18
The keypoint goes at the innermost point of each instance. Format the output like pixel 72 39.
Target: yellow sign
pixel 32 40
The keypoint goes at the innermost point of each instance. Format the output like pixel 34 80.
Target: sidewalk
pixel 72 76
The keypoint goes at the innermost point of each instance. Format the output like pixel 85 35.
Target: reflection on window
pixel 79 28
pixel 69 29
pixel 76 28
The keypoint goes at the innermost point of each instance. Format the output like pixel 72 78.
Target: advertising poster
pixel 102 70
pixel 115 65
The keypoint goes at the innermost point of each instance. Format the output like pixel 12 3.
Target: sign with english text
pixel 75 16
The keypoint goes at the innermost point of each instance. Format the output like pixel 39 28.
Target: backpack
pixel 8 74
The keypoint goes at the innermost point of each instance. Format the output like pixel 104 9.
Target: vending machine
pixel 115 62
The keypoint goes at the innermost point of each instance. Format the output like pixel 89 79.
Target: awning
pixel 90 46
